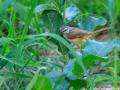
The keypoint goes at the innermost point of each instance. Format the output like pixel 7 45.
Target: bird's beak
pixel 61 29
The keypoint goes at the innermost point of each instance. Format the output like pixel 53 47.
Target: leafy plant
pixel 34 55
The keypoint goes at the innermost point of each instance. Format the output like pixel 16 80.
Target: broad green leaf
pixel 68 69
pixel 78 84
pixel 101 48
pixel 77 70
pixel 53 76
pixel 59 80
pixel 89 61
pixel 71 12
pixel 90 23
pixel 53 20
pixel 42 83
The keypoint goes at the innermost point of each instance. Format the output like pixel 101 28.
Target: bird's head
pixel 65 29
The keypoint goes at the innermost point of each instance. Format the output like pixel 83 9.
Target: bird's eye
pixel 65 29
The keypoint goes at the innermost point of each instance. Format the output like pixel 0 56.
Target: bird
pixel 78 36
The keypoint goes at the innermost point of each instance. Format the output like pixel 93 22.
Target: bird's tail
pixel 101 34
pixel 101 30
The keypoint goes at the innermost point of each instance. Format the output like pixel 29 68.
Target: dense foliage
pixel 34 55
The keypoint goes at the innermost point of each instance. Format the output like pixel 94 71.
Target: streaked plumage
pixel 76 35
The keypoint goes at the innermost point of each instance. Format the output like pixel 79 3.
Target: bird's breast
pixel 77 41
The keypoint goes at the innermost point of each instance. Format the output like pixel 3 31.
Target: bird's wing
pixel 78 33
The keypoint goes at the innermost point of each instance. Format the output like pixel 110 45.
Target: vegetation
pixel 34 55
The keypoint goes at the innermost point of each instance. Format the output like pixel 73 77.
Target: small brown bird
pixel 78 36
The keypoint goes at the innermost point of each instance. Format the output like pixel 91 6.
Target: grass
pixel 25 37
